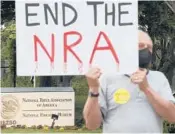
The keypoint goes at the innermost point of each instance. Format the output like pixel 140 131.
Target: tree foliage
pixel 79 84
pixel 159 21
pixel 7 11
pixel 8 52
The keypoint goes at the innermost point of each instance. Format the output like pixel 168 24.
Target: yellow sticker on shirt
pixel 121 96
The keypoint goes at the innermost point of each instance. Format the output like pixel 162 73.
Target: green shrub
pixel 46 128
pixel 79 84
pixel 171 128
pixel 21 81
pixel 39 127
pixel 33 127
pixel 84 127
pixel 3 126
pixel 71 128
pixel 74 127
pixel 80 129
pixel 165 127
pixel 18 126
pixel 61 128
pixel 57 127
pixel 168 127
pixel 13 126
pixel 23 126
pixel 79 122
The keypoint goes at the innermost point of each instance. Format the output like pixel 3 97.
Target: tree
pixel 7 47
pixel 159 21
pixel 7 11
pixel 8 53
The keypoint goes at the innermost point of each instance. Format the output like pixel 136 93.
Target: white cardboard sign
pixel 67 37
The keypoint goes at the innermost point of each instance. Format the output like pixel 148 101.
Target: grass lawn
pixel 10 130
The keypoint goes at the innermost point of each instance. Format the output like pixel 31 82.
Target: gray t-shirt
pixel 137 115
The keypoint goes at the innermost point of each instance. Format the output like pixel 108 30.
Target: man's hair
pixel 145 39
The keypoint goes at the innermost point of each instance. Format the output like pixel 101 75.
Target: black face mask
pixel 145 58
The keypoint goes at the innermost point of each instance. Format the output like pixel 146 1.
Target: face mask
pixel 145 57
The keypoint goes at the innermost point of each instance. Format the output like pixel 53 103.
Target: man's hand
pixel 92 77
pixel 139 77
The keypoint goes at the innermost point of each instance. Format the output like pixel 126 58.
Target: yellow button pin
pixel 121 96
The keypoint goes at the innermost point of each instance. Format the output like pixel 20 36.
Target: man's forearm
pixel 164 108
pixel 92 113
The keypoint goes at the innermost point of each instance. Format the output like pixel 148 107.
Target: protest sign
pixel 67 37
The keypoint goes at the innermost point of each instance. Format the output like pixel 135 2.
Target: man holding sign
pixel 130 103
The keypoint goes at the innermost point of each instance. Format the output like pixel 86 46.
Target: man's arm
pixel 164 108
pixel 92 113
pixel 162 105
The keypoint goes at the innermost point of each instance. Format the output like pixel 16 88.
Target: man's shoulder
pixel 112 78
pixel 157 74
